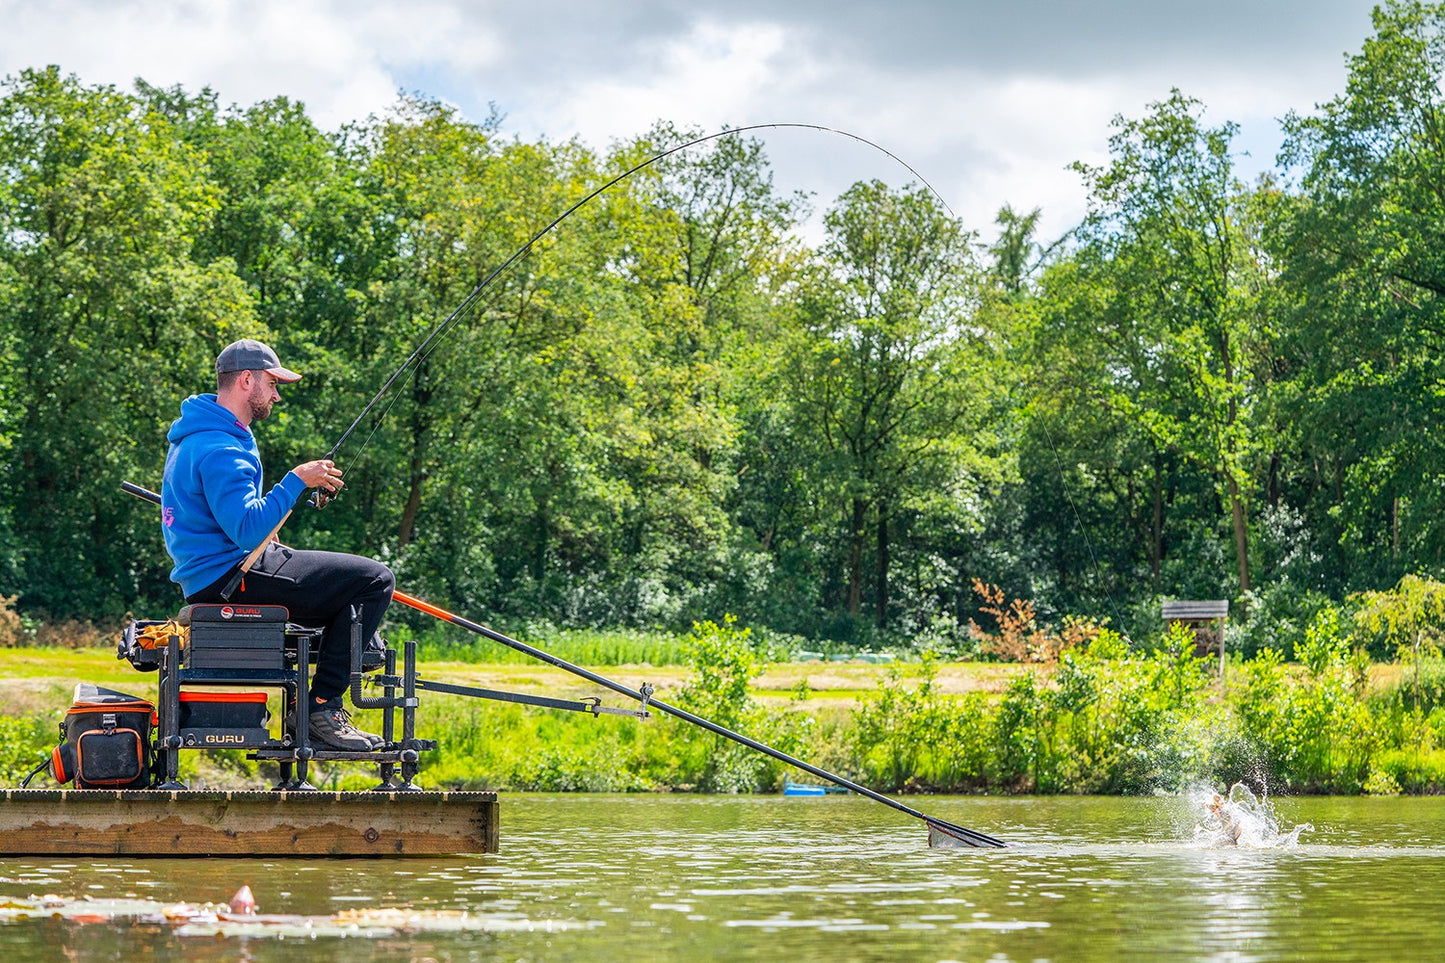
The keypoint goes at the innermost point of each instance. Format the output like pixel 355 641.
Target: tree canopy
pixel 673 407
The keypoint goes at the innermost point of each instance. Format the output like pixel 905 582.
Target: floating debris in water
pixel 1242 819
pixel 240 919
pixel 243 903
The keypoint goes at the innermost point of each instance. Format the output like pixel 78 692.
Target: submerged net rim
pixel 942 835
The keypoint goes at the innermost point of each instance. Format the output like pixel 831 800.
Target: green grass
pixel 97 665
pixel 25 742
pixel 1098 723
pixel 585 647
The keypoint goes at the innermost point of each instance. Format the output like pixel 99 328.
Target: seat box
pixel 236 637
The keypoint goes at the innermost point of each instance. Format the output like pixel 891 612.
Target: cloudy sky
pixel 990 101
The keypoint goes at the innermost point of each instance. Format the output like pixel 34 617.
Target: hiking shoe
pixel 332 728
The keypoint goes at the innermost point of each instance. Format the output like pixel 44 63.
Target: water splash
pixel 1242 819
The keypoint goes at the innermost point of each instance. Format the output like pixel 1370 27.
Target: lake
pixel 611 877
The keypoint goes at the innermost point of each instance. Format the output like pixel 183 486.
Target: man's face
pixel 263 394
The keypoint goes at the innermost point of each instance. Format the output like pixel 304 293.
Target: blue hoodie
pixel 213 511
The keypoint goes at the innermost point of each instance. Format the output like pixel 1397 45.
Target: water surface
pixel 653 876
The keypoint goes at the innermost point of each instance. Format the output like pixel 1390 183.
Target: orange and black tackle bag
pixel 105 740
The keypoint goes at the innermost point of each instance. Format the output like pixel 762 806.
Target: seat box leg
pixel 386 771
pixel 170 707
pixel 301 716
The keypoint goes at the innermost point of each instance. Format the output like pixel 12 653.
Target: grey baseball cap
pixel 251 355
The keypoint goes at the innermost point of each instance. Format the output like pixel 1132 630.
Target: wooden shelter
pixel 1206 617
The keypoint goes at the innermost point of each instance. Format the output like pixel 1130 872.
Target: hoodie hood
pixel 204 413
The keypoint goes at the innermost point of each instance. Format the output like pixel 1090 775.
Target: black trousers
pixel 318 589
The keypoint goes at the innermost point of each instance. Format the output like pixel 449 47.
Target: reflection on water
pixel 613 877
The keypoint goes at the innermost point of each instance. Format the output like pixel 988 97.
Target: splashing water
pixel 1242 819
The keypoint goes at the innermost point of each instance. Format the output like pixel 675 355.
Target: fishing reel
pixel 320 497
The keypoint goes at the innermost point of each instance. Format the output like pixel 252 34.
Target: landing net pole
pixel 961 834
pixel 968 836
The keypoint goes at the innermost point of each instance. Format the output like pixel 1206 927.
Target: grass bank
pixel 1104 719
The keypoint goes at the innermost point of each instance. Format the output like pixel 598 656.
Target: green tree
pixel 1361 248
pixel 308 241
pixel 437 457
pixel 105 314
pixel 1016 254
pixel 709 254
pixel 891 372
pixel 1170 314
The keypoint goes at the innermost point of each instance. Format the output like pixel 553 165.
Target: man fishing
pixel 215 511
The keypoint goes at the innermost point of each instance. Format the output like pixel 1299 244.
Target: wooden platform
pixel 149 822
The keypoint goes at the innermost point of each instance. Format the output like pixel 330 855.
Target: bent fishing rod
pixel 320 498
pixel 960 834
pixel 430 342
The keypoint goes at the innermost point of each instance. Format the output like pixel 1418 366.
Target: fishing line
pixel 429 344
pixel 358 459
pixel 432 341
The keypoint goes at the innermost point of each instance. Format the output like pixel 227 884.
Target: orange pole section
pixel 421 606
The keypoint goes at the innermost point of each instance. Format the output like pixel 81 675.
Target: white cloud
pixel 713 75
pixel 989 102
pixel 341 59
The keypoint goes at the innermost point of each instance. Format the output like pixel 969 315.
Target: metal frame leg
pixel 386 771
pixel 301 717
pixel 170 699
pixel 285 767
pixel 409 755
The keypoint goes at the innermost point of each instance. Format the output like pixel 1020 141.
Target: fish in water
pixel 1228 816
pixel 1242 819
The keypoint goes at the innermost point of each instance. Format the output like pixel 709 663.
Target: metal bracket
pixel 593 704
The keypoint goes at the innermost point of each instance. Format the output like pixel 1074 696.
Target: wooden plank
pixel 150 822
pixel 1183 610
